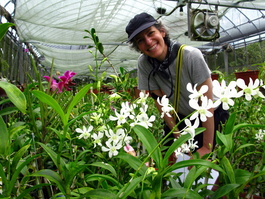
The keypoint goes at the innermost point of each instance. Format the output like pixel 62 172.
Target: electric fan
pixel 204 25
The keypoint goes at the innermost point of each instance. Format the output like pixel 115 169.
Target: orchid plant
pixel 112 146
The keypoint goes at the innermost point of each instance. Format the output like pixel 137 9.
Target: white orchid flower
pixel 112 148
pixel 178 152
pixel 97 138
pixel 191 128
pixel 196 94
pixel 114 97
pixel 260 135
pixel 185 148
pixel 144 120
pixel 224 93
pixel 128 109
pixel 97 118
pixel 166 107
pixel 85 132
pixel 249 90
pixel 142 98
pixel 120 118
pixel 202 110
pixel 115 137
pixel 193 145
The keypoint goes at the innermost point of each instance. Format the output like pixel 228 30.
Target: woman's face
pixel 151 42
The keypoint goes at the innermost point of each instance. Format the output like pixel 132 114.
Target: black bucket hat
pixel 139 23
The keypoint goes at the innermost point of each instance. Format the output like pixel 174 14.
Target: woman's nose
pixel 148 40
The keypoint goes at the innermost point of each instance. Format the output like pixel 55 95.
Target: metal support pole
pixel 226 62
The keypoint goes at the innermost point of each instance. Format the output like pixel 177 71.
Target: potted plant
pixel 245 75
pixel 217 75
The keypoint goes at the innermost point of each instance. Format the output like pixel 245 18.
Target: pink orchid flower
pixel 128 148
pixel 54 84
pixel 65 81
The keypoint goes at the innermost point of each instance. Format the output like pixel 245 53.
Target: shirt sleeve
pixel 198 68
pixel 145 78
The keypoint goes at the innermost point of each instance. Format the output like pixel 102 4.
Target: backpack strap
pixel 178 77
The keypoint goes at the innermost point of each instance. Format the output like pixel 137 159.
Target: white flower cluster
pixel 128 111
pixel 115 140
pixel 225 95
pixel 260 135
pixel 118 138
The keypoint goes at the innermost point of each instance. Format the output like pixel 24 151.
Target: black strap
pixel 160 68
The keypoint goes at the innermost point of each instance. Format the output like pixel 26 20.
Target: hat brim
pixel 140 29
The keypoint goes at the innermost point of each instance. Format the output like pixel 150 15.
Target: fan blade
pixel 198 19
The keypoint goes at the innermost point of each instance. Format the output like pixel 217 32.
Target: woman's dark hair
pixel 159 26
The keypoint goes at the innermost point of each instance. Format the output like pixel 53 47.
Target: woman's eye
pixel 139 41
pixel 150 33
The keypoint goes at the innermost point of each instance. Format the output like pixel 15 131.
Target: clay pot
pixel 245 75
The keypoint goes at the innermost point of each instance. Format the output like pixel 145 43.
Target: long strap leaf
pixel 4 141
pixel 178 77
pixel 15 95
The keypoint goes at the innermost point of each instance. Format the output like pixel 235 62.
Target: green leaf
pixel 4 135
pixel 243 125
pixel 100 48
pixel 52 176
pixel 228 170
pixel 43 97
pixel 99 194
pixel 129 188
pixel 194 162
pixel 149 143
pixel 4 28
pixel 77 99
pixel 15 95
pixel 181 193
pixel 99 177
pixel 134 162
pixel 17 172
pixel 193 174
pixel 18 156
pixel 54 156
pixel 230 124
pixel 224 190
pixel 105 166
pixel 81 190
pixel 243 146
pixel 227 140
pixel 25 192
pixel 242 176
pixel 122 70
pixel 8 110
pixel 73 169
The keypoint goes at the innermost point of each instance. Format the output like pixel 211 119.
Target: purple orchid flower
pixel 65 82
pixel 54 84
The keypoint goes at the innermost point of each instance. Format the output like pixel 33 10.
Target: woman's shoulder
pixel 143 59
pixel 193 52
pixel 192 49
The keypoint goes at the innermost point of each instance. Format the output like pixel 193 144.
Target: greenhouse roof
pixel 56 28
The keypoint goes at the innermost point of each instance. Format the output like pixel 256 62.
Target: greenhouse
pixel 142 99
